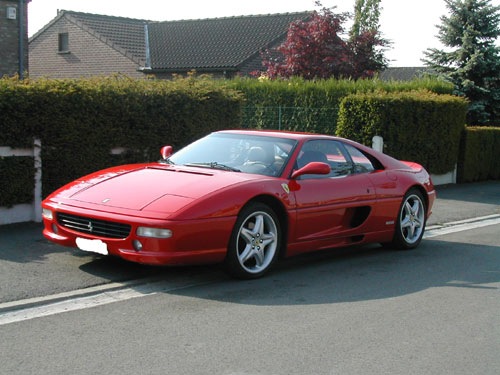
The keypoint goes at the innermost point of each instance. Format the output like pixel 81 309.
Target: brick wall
pixel 9 39
pixel 88 56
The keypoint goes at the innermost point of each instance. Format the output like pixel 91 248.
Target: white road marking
pixel 52 298
pixel 100 299
pixel 69 305
pixel 17 311
pixel 459 226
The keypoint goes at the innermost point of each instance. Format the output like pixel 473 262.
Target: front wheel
pixel 255 242
pixel 411 220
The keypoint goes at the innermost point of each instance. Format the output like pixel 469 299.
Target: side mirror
pixel 315 167
pixel 166 151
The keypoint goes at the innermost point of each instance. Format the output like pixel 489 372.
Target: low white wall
pixel 444 179
pixel 18 214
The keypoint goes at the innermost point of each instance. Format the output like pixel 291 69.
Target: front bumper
pixel 193 241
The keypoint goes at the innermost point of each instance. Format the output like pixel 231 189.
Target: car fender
pixel 230 200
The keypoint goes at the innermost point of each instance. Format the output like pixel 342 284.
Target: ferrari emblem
pixel 286 188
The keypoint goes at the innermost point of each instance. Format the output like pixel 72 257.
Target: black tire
pixel 410 222
pixel 255 242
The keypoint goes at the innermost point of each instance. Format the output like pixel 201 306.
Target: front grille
pixel 96 227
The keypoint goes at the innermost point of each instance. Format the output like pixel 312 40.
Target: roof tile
pixel 126 33
pixel 217 42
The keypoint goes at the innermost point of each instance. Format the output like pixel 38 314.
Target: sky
pixel 409 24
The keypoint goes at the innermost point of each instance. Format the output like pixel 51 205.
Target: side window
pixel 325 151
pixel 361 163
pixel 63 45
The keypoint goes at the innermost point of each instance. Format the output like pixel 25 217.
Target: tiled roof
pixel 215 43
pixel 403 73
pixel 122 33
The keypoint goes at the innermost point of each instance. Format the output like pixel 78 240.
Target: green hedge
pixel 80 121
pixel 17 180
pixel 479 157
pixel 312 106
pixel 418 126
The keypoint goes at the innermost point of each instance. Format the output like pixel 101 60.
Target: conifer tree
pixel 472 60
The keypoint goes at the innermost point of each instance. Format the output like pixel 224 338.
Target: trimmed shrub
pixel 479 157
pixel 80 121
pixel 17 180
pixel 312 106
pixel 418 126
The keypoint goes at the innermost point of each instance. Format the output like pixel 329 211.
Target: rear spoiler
pixel 415 166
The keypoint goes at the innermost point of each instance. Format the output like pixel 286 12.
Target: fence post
pixel 37 201
pixel 378 143
pixel 279 117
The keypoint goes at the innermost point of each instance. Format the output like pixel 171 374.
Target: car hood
pixel 154 188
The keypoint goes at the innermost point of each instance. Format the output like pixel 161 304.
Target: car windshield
pixel 237 152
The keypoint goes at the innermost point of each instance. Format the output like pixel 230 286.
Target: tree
pixel 366 17
pixel 366 43
pixel 314 48
pixel 472 61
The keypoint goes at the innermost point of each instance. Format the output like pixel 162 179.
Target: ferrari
pixel 244 198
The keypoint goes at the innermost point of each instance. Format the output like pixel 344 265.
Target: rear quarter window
pixel 362 163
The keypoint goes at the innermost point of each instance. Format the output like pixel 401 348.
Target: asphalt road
pixel 429 311
pixel 464 201
pixel 362 310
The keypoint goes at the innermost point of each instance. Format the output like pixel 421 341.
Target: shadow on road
pixel 332 276
pixel 31 266
pixel 361 274
pixel 24 243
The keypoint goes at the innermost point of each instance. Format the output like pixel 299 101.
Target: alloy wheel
pixel 257 242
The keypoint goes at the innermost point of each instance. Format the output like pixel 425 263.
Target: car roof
pixel 280 134
pixel 387 161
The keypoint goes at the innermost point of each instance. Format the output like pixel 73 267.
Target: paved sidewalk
pixel 465 201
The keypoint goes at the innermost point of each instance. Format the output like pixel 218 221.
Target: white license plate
pixel 94 246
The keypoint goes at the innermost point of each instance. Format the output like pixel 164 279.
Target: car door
pixel 386 187
pixel 330 206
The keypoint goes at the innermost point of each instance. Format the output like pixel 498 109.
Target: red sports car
pixel 244 198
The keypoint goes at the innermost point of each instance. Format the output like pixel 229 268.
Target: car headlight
pixel 47 214
pixel 154 232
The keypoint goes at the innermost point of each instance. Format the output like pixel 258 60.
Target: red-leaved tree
pixel 365 55
pixel 314 48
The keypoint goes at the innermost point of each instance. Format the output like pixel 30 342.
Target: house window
pixel 63 42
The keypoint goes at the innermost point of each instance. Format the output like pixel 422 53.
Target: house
pixel 13 24
pixel 75 45
pixel 78 44
pixel 404 73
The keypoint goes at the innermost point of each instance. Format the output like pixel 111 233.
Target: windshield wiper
pixel 213 165
pixel 166 161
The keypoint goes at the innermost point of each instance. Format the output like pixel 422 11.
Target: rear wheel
pixel 255 242
pixel 410 225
